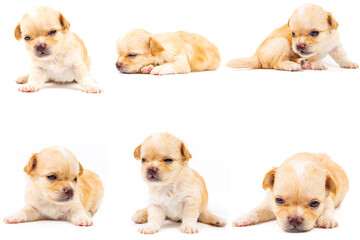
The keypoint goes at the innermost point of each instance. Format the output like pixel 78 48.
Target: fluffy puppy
pixel 176 191
pixel 310 35
pixel 304 192
pixel 165 53
pixel 59 189
pixel 56 53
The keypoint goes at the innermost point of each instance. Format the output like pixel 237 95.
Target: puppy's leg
pixel 190 216
pixel 262 213
pixel 287 65
pixel 327 219
pixel 78 216
pixel 141 216
pixel 209 218
pixel 22 79
pixel 156 217
pixel 180 65
pixel 27 214
pixel 36 80
pixel 317 64
pixel 83 77
pixel 340 57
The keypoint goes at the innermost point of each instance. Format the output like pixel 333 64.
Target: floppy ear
pixel 269 179
pixel 332 22
pixel 17 32
pixel 186 155
pixel 63 22
pixel 81 170
pixel 330 185
pixel 31 165
pixel 155 46
pixel 137 152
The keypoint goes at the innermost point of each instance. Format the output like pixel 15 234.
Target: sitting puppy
pixel 176 191
pixel 56 53
pixel 304 192
pixel 59 189
pixel 165 53
pixel 310 35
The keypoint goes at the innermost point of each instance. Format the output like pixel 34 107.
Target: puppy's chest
pixel 60 71
pixel 53 211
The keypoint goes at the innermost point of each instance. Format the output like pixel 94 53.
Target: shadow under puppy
pixel 176 191
pixel 304 192
pixel 59 189
pixel 56 53
pixel 310 35
pixel 165 53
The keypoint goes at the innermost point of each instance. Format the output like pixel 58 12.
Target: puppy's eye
pixel 52 177
pixel 143 160
pixel 131 55
pixel 75 179
pixel 52 32
pixel 27 38
pixel 293 34
pixel 314 33
pixel 314 204
pixel 168 160
pixel 279 201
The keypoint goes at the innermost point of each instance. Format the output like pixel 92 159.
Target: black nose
pixel 301 46
pixel 295 220
pixel 40 47
pixel 152 170
pixel 69 192
pixel 118 65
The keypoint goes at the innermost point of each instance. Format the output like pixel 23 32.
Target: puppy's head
pixel 311 28
pixel 299 192
pixel 163 158
pixel 54 172
pixel 136 50
pixel 43 30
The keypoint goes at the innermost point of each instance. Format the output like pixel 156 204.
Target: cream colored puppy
pixel 56 53
pixel 165 53
pixel 59 189
pixel 310 35
pixel 304 192
pixel 176 191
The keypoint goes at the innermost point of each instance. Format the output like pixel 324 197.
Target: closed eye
pixel 168 160
pixel 132 55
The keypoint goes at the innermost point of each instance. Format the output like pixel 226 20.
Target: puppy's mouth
pixel 65 198
pixel 304 53
pixel 153 178
pixel 42 54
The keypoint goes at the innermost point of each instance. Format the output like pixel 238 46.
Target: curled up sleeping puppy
pixel 165 53
pixel 304 192
pixel 176 192
pixel 310 35
pixel 56 54
pixel 59 189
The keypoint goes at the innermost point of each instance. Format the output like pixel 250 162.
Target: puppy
pixel 176 191
pixel 310 35
pixel 165 53
pixel 59 189
pixel 304 192
pixel 56 53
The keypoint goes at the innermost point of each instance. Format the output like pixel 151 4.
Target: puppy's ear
pixel 330 185
pixel 63 22
pixel 155 46
pixel 269 179
pixel 332 22
pixel 31 165
pixel 186 155
pixel 17 32
pixel 137 152
pixel 81 170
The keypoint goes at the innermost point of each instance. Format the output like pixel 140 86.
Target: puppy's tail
pixel 250 62
pixel 209 218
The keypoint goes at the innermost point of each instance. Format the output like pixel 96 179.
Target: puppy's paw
pixel 349 64
pixel 28 88
pixel 318 66
pixel 82 221
pixel 221 222
pixel 246 220
pixel 22 80
pixel 92 88
pixel 140 217
pixel 305 64
pixel 162 70
pixel 291 66
pixel 16 218
pixel 149 228
pixel 326 222
pixel 147 69
pixel 189 228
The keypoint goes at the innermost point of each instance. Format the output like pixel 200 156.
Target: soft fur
pixel 299 181
pixel 165 53
pixel 56 53
pixel 292 46
pixel 51 199
pixel 176 191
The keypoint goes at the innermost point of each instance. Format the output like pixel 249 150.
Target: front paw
pixel 318 66
pixel 162 70
pixel 92 88
pixel 82 221
pixel 305 64
pixel 28 88
pixel 22 80
pixel 149 228
pixel 16 218
pixel 246 220
pixel 189 228
pixel 140 217
pixel 147 69
pixel 326 222
pixel 349 64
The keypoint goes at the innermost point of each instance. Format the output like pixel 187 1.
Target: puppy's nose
pixel 40 46
pixel 118 65
pixel 295 220
pixel 152 170
pixel 301 46
pixel 69 192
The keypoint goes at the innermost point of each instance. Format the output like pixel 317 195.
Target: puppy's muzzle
pixel 68 194
pixel 295 221
pixel 302 48
pixel 152 174
pixel 41 50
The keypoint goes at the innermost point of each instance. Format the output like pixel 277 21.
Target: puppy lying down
pixel 59 189
pixel 310 35
pixel 165 53
pixel 176 192
pixel 304 192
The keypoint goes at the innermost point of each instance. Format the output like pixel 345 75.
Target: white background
pixel 236 123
